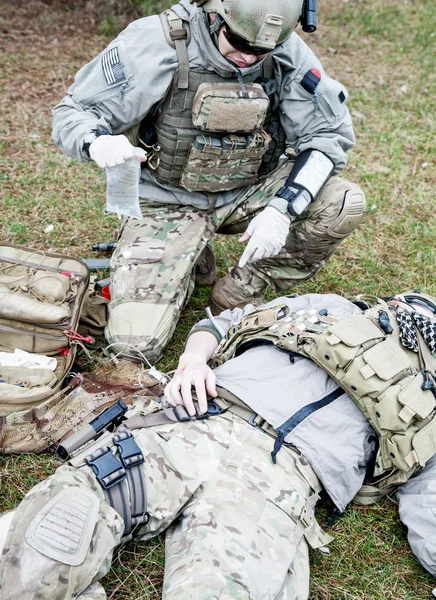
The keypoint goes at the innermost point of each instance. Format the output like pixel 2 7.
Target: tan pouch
pixel 41 298
pixel 224 107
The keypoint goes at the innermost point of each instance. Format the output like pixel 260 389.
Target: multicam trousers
pixel 153 267
pixel 237 525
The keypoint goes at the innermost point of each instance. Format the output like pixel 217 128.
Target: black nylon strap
pixel 304 412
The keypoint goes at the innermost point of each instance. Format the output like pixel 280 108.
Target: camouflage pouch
pixel 219 164
pixel 41 298
pixel 227 107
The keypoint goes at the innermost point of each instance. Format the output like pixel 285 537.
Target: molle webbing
pixel 384 379
pixel 174 127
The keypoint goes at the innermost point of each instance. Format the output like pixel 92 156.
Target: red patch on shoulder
pixel 316 72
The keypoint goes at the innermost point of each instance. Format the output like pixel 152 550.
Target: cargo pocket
pixel 280 528
pixel 273 546
pixel 136 274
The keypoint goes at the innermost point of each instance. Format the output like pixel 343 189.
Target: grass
pixel 384 53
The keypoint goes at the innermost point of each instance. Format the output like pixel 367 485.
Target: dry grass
pixel 384 53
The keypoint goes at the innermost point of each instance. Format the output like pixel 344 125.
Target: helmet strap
pixel 217 24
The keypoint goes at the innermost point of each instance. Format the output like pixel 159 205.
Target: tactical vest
pixel 392 385
pixel 212 133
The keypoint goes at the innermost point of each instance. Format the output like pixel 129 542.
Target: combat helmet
pixel 261 23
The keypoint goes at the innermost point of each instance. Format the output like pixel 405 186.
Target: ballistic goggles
pixel 242 45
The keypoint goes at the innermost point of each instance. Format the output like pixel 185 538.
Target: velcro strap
pixel 315 536
pixel 367 371
pixel 406 414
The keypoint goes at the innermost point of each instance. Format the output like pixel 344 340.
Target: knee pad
pixel 352 204
pixel 63 528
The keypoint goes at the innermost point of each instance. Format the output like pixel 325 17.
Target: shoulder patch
pixel 113 68
pixel 310 80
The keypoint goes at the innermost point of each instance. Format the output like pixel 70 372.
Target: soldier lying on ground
pixel 238 524
pixel 213 92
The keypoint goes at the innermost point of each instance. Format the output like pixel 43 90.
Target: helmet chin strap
pixel 216 25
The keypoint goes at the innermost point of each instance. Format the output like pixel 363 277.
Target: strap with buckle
pixel 129 451
pixel 213 410
pixel 108 470
pixel 132 458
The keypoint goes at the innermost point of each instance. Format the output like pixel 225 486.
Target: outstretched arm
pixel 194 372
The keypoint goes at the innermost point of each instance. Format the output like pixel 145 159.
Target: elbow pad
pixel 309 174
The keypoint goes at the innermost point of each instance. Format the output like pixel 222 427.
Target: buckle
pixel 181 413
pixel 252 420
pixel 129 451
pixel 107 468
pixel 214 409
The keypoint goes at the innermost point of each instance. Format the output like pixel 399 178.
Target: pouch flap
pixel 221 107
pixel 424 442
pixel 355 331
pixel 387 359
pixel 420 401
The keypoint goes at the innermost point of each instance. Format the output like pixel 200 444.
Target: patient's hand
pixel 192 372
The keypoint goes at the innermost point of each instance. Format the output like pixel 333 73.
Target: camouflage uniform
pixel 242 526
pixel 153 267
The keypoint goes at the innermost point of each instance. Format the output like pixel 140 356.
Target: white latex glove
pixel 192 372
pixel 113 150
pixel 267 234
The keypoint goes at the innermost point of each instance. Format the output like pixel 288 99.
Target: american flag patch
pixel 112 67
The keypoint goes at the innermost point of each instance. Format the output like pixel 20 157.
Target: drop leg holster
pixel 121 474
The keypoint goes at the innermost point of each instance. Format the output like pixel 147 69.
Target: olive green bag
pixel 41 298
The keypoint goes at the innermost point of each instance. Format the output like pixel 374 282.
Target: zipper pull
pixel 73 335
pixel 316 102
pixel 277 445
pixel 122 89
pixel 241 83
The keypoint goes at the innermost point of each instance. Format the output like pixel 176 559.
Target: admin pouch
pixel 41 298
pixel 227 107
pixel 392 385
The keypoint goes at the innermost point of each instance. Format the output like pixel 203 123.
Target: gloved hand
pixel 113 150
pixel 192 371
pixel 267 233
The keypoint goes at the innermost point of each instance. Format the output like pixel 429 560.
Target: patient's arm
pixel 418 512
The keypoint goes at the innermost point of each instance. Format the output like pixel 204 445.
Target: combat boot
pixel 228 292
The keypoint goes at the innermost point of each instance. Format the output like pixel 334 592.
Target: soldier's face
pixel 239 58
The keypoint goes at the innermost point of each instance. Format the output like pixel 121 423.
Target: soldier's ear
pixel 212 17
